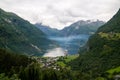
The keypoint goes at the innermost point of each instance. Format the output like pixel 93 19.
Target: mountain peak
pixel 82 27
pixel 1 10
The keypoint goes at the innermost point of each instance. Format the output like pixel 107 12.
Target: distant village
pixel 49 62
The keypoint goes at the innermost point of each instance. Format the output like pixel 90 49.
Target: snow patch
pixel 77 27
pixel 7 20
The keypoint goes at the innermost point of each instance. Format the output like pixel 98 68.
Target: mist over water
pixel 71 43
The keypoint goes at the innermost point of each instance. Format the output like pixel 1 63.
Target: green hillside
pixel 10 62
pixel 20 36
pixel 102 53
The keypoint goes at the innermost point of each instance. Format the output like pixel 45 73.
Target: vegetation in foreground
pixel 20 67
pixel 100 61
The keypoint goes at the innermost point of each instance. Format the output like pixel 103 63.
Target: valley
pixel 84 50
pixel 71 43
pixel 73 37
pixel 55 62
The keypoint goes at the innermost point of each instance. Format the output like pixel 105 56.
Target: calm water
pixel 71 43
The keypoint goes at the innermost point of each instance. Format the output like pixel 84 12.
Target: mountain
pixel 77 28
pixel 73 37
pixel 82 27
pixel 18 35
pixel 101 59
pixel 47 30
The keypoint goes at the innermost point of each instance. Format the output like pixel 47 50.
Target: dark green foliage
pixel 112 25
pixel 4 77
pixel 14 66
pixel 10 63
pixel 20 36
pixel 34 72
pixel 102 53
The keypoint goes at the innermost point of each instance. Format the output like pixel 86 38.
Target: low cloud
pixel 60 13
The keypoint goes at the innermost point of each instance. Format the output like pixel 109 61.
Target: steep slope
pixel 10 62
pixel 103 51
pixel 72 37
pixel 82 27
pixel 20 36
pixel 47 30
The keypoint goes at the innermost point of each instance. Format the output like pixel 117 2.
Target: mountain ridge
pixel 77 28
pixel 47 30
pixel 82 27
pixel 18 35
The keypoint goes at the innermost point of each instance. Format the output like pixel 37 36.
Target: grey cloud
pixel 60 13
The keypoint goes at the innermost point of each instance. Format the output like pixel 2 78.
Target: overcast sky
pixel 60 13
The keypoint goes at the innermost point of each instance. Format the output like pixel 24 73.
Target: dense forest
pixel 20 67
pixel 11 64
pixel 101 56
pixel 99 59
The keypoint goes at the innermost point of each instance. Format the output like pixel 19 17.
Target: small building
pixel 66 53
pixel 117 77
